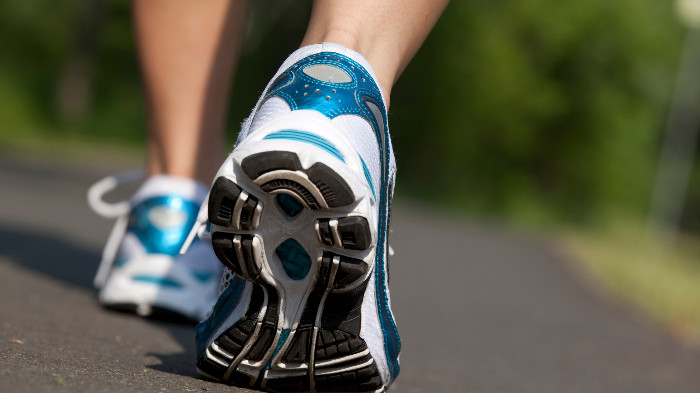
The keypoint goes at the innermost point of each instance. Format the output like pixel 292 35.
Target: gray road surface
pixel 479 309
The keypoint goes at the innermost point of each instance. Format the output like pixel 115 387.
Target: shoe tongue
pixel 159 185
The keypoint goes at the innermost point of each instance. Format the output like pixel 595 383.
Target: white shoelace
pixel 199 228
pixel 119 210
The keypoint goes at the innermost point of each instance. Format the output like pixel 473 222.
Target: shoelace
pixel 200 227
pixel 119 210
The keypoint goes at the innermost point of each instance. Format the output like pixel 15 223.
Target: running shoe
pixel 299 216
pixel 141 269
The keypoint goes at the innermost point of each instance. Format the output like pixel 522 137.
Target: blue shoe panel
pixel 307 137
pixel 302 91
pixel 163 223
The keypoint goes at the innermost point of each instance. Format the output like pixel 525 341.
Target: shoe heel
pixel 318 187
pixel 321 349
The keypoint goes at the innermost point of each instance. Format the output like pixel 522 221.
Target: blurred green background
pixel 543 113
pixel 535 109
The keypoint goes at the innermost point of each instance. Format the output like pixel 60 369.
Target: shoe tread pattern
pixel 336 357
pixel 336 192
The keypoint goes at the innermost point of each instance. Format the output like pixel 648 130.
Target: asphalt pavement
pixel 479 308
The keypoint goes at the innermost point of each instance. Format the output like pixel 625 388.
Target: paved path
pixel 479 309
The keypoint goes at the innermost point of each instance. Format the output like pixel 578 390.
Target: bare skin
pixel 387 33
pixel 189 49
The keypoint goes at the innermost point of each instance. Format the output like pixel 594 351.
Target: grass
pixel 660 276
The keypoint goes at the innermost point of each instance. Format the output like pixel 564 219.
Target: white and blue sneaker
pixel 142 270
pixel 300 215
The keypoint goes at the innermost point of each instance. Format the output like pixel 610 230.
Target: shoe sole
pixel 153 312
pixel 301 331
pixel 187 301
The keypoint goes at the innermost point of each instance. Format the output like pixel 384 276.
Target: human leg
pixel 387 33
pixel 187 51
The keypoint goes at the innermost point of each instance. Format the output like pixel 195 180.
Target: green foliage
pixel 38 45
pixel 519 108
pixel 30 55
pixel 538 107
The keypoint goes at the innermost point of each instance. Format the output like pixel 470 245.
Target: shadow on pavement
pixel 67 262
pixel 177 363
pixel 50 256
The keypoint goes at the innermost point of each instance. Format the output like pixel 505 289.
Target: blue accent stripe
pixel 284 334
pixel 224 306
pixel 283 338
pixel 368 176
pixel 307 137
pixel 202 276
pixel 162 281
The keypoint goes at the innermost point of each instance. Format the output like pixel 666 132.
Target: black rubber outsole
pixel 336 192
pixel 325 352
pixel 156 313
